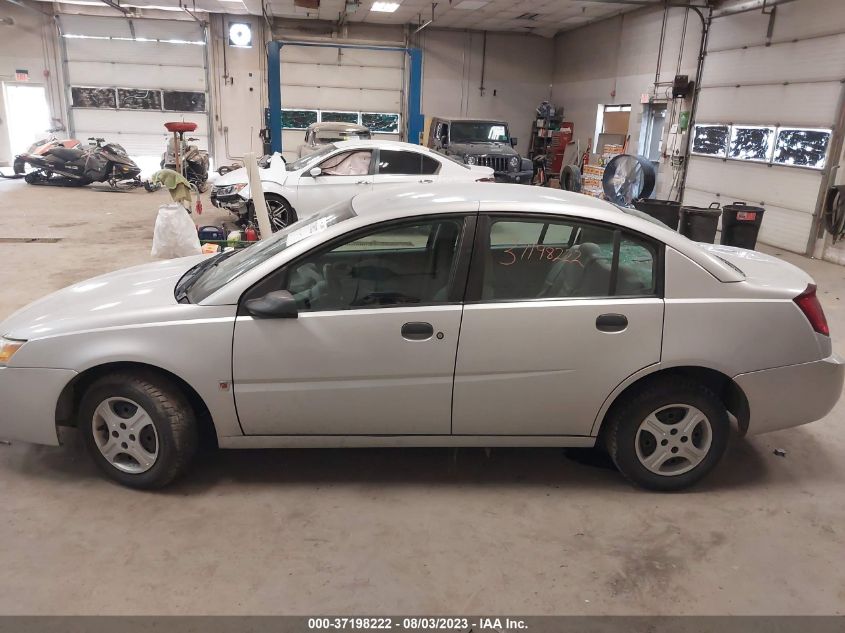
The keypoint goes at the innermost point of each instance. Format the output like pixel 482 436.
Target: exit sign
pixel 21 75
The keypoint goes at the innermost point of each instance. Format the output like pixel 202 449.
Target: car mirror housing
pixel 514 141
pixel 278 304
pixel 315 171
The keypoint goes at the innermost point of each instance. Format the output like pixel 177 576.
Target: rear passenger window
pixel 556 259
pixel 406 163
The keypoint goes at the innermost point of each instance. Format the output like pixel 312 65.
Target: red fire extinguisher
pixel 251 234
pixel 585 159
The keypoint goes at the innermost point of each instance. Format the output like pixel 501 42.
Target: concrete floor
pixel 399 531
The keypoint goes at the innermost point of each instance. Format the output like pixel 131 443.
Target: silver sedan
pixel 441 315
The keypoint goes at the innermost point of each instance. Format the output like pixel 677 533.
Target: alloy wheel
pixel 125 435
pixel 673 440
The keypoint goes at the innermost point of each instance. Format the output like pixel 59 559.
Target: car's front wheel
pixel 669 434
pixel 138 428
pixel 280 212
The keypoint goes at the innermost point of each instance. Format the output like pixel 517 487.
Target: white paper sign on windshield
pixel 307 231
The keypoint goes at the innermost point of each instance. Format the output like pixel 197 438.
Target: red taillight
pixel 812 309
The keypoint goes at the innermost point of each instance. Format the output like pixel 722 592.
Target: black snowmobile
pixel 69 167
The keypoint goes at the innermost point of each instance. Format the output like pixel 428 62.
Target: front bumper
pixel 517 177
pixel 232 202
pixel 29 397
pixel 789 396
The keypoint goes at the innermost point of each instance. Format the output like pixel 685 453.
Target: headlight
pixel 470 160
pixel 514 162
pixel 228 190
pixel 8 347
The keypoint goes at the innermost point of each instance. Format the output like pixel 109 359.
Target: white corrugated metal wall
pixel 341 80
pixel 137 53
pixel 792 80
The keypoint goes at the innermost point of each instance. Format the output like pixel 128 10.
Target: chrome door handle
pixel 362 182
pixel 611 322
pixel 426 180
pixel 417 331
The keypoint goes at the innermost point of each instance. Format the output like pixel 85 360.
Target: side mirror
pixel 513 141
pixel 315 171
pixel 278 304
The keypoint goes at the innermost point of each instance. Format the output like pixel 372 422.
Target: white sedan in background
pixel 337 172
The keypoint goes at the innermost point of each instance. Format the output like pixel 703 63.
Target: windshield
pixel 478 132
pixel 228 266
pixel 310 159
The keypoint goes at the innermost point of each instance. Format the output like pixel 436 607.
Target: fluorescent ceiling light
pixel 384 7
pixel 470 5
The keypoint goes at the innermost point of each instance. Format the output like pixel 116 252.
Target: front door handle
pixel 362 182
pixel 417 331
pixel 426 180
pixel 611 322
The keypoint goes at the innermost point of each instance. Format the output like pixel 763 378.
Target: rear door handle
pixel 362 182
pixel 417 331
pixel 611 322
pixel 426 180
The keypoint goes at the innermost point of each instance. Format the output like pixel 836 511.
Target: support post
pixel 274 94
pixel 415 117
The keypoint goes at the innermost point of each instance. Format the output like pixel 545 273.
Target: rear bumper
pixel 29 397
pixel 793 395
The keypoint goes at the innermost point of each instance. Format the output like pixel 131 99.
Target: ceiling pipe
pixel 655 3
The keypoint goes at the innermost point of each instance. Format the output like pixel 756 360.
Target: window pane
pixel 710 140
pixel 347 164
pixel 636 275
pixel 377 122
pixel 520 267
pixel 339 117
pixel 805 148
pixel 515 233
pixel 409 264
pixel 298 119
pixel 430 166
pixel 184 101
pixel 751 142
pixel 82 97
pixel 393 162
pixel 135 99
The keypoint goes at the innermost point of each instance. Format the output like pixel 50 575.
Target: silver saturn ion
pixel 438 315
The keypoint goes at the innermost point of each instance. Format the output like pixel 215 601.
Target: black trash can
pixel 667 211
pixel 699 223
pixel 741 224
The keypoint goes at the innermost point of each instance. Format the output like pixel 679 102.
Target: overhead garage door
pixel 340 84
pixel 127 77
pixel 765 114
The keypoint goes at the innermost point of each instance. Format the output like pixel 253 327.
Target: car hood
pixel 477 149
pixel 231 178
pixel 275 173
pixel 123 297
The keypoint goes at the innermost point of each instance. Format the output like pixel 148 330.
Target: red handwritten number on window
pixel 549 253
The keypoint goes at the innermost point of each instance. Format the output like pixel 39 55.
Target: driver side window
pixel 403 264
pixel 356 163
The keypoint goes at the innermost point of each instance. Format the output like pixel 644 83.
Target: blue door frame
pixel 274 88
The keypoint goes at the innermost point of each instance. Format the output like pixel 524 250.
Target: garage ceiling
pixel 544 17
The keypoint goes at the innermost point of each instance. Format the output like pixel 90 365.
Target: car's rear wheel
pixel 280 212
pixel 669 434
pixel 139 429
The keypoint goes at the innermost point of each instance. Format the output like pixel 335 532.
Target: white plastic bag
pixel 175 234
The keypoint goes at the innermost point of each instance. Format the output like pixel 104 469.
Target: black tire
pixel 624 441
pixel 279 209
pixel 570 178
pixel 171 415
